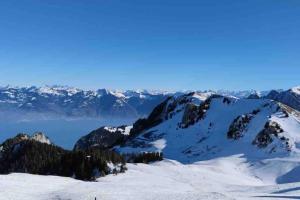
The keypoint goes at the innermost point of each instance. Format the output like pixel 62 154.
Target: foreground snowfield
pixel 223 178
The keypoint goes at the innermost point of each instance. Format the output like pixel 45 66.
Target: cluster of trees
pixel 90 164
pixel 38 158
pixel 145 157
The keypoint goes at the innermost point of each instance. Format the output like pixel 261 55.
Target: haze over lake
pixel 62 132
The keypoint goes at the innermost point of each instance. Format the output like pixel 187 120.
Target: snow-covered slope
pixel 193 128
pixel 190 128
pixel 222 179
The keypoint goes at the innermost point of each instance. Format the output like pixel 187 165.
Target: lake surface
pixel 61 132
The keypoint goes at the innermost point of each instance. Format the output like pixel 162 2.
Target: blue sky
pixel 151 44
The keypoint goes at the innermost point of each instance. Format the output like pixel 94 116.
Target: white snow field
pixel 222 178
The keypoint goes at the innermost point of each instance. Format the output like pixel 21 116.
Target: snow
pixel 296 90
pixel 118 94
pixel 222 178
pixel 206 141
pixel 127 130
pixel 184 144
pixel 197 98
pixel 40 137
pixel 124 131
pixel 48 90
pixel 58 90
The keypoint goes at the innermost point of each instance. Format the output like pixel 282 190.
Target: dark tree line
pixel 144 157
pixel 38 158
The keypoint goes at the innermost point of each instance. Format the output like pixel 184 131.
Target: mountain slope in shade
pixel 103 138
pixel 289 97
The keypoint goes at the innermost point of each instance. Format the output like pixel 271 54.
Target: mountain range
pixel 70 102
pixel 59 101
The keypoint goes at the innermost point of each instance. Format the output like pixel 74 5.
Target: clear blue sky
pixel 151 44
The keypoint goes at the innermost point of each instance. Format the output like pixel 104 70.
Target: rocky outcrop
pixel 239 126
pixel 254 96
pixel 157 116
pixel 10 143
pixel 271 132
pixel 103 138
pixel 194 113
pixel 40 137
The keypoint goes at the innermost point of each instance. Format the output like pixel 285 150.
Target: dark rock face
pixel 156 117
pixel 194 113
pixel 190 115
pixel 238 126
pixel 271 131
pixel 25 155
pixel 254 96
pixel 102 138
pixel 273 94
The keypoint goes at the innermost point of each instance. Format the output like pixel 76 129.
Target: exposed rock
pixel 194 113
pixel 190 115
pixel 270 132
pixel 290 97
pixel 103 138
pixel 239 126
pixel 254 96
pixel 156 117
pixel 11 142
pixel 40 137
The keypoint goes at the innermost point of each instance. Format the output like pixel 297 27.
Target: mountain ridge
pixel 70 102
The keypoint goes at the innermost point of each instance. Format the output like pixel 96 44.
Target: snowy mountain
pixel 73 102
pixel 289 97
pixel 215 147
pixel 196 127
pixel 69 102
pixel 242 93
